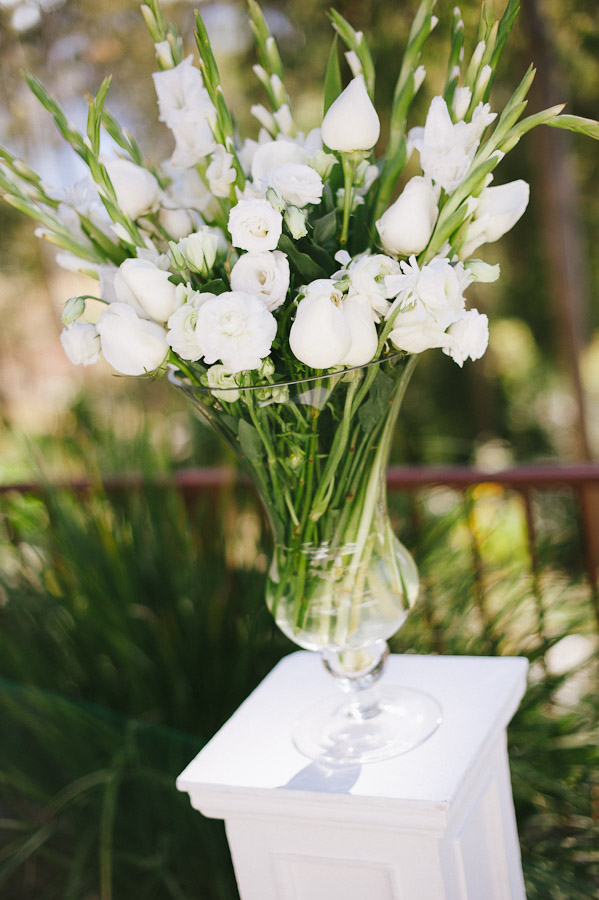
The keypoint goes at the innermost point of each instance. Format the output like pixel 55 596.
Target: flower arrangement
pixel 245 267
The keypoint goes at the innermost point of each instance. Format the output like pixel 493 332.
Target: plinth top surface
pixel 254 753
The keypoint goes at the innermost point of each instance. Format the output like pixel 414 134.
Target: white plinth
pixel 434 824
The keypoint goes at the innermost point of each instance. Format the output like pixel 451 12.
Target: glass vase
pixel 340 581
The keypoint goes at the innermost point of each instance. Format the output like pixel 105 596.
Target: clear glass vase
pixel 340 582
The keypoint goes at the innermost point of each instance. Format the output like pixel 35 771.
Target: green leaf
pixel 332 78
pixel 325 228
pixel 373 410
pixel 588 127
pixel 216 286
pixel 306 267
pixel 251 442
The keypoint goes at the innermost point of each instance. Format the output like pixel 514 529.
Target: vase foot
pixel 343 731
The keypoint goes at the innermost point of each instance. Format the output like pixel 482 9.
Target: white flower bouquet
pixel 289 281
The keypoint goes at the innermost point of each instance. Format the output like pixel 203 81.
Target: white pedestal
pixel 434 824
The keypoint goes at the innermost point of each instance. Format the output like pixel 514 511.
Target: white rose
pixel 297 184
pixel 469 337
pixel 221 173
pixel 320 336
pixel 237 329
pixel 131 345
pixel 183 334
pixel 447 149
pixel 137 191
pixel 146 288
pixel 406 227
pixel 255 225
pixel 265 274
pixel 351 122
pixel 357 312
pixel 81 343
pixel 498 210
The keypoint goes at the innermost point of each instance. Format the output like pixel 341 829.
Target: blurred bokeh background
pixel 132 621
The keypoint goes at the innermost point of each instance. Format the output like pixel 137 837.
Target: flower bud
pixel 267 368
pixel 81 343
pixel 73 310
pixel 218 376
pixel 295 220
pixel 198 251
pixel 364 338
pixel 131 345
pixel 137 191
pixel 320 336
pixel 481 271
pixel 351 122
pixel 406 227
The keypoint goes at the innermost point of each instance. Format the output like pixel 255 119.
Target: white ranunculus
pixel 320 336
pixel 498 210
pixel 81 343
pixel 357 312
pixel 447 149
pixel 414 331
pixel 221 173
pixel 146 288
pixel 137 191
pixel 367 277
pixel 297 184
pixel 351 122
pixel 183 334
pixel 237 329
pixel 269 155
pixel 218 376
pixel 469 337
pixel 265 274
pixel 406 227
pixel 255 225
pixel 131 345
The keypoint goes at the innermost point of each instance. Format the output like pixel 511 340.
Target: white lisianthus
pixel 81 343
pixel 406 227
pixel 237 329
pixel 137 191
pixel 183 334
pixel 498 210
pixel 447 149
pixel 265 274
pixel 297 184
pixel 197 251
pixel 415 330
pixel 220 173
pixel 255 225
pixel 320 336
pixel 269 155
pixel 218 376
pixel 178 223
pixel 351 122
pixel 146 288
pixel 469 337
pixel 131 345
pixel 357 312
pixel 367 276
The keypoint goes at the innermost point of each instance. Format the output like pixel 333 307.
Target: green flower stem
pixel 348 185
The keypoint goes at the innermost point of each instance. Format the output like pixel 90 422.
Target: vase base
pixel 339 731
